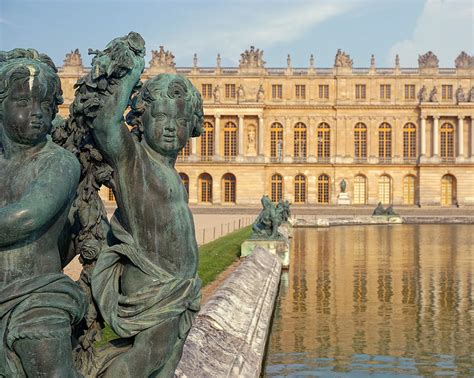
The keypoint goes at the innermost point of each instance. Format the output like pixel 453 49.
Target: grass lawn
pixel 216 256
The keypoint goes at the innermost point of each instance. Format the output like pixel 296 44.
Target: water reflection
pixel 385 300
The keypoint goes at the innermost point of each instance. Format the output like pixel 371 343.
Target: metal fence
pixel 208 234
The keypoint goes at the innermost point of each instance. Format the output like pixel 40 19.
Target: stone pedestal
pixel 279 248
pixel 343 199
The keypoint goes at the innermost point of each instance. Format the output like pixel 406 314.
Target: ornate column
pixel 422 136
pixel 241 136
pixel 435 136
pixel 217 137
pixel 261 137
pixel 472 137
pixel 461 136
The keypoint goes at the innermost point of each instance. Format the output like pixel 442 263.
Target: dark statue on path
pixel 381 211
pixel 267 223
pixel 38 303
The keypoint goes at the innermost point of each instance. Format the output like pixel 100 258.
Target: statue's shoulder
pixel 58 158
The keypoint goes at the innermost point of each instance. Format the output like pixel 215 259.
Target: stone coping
pixel 229 335
pixel 380 220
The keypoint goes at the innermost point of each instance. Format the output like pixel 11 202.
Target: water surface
pixel 380 300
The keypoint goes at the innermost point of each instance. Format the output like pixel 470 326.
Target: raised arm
pixel 41 204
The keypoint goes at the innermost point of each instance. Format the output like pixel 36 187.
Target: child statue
pixel 38 303
pixel 146 285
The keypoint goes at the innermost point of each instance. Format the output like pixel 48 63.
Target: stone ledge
pixel 229 334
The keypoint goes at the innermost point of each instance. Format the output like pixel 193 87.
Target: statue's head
pixel 30 92
pixel 166 113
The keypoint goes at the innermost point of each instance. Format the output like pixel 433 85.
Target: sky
pixel 208 27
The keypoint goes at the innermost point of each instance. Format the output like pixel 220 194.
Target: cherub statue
pixel 38 303
pixel 146 285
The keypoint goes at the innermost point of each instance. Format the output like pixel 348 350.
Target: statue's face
pixel 27 112
pixel 167 125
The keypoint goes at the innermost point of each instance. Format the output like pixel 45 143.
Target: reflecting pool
pixel 381 300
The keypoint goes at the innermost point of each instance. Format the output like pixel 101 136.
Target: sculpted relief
pixel 428 60
pixel 139 279
pixel 342 59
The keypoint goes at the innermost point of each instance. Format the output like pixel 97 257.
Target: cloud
pixel 259 23
pixel 445 27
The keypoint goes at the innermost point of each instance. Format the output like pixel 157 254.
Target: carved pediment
pixel 162 59
pixel 464 60
pixel 342 59
pixel 252 58
pixel 73 59
pixel 428 60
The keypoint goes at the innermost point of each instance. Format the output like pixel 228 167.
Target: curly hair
pixel 166 86
pixel 20 64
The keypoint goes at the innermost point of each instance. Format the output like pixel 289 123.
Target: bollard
pixel 203 235
pixel 214 236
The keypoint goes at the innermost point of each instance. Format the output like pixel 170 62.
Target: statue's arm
pixel 109 130
pixel 41 204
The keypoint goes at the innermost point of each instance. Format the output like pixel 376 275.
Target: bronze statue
pixel 38 303
pixel 380 211
pixel 267 223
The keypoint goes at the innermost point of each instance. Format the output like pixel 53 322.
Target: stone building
pixel 396 135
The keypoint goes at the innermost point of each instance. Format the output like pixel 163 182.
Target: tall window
pixel 205 188
pixel 110 196
pixel 385 142
pixel 360 142
pixel 323 189
pixel 230 141
pixel 446 92
pixel 324 91
pixel 230 91
pixel 184 153
pixel 207 142
pixel 360 190
pixel 324 142
pixel 300 90
pixel 277 187
pixel 360 92
pixel 409 142
pixel 300 141
pixel 410 92
pixel 448 190
pixel 207 91
pixel 300 189
pixel 409 190
pixel 385 189
pixel 228 183
pixel 385 91
pixel 276 141
pixel 447 142
pixel 185 181
pixel 277 91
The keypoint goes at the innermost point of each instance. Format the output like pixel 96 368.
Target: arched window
pixel 448 190
pixel 385 142
pixel 276 141
pixel 184 153
pixel 323 189
pixel 360 142
pixel 277 187
pixel 409 142
pixel 228 187
pixel 230 141
pixel 110 196
pixel 409 190
pixel 447 142
pixel 205 188
pixel 207 142
pixel 185 181
pixel 360 190
pixel 385 189
pixel 300 189
pixel 324 142
pixel 300 141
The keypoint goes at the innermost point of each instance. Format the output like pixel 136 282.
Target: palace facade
pixel 395 135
